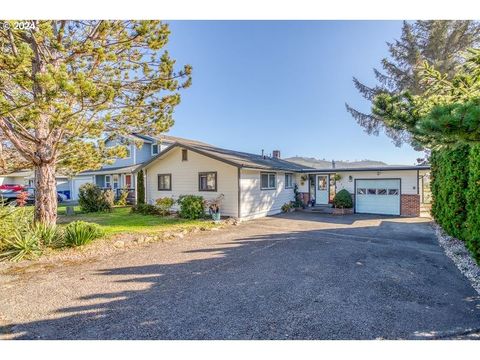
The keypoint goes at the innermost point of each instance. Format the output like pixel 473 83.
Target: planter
pixel 345 211
pixel 216 217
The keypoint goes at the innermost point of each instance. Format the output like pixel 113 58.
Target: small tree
pixel 140 188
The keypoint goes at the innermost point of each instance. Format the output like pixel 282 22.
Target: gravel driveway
pixel 293 276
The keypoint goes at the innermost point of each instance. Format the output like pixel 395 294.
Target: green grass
pixel 120 220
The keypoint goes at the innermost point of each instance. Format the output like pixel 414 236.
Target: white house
pixel 256 185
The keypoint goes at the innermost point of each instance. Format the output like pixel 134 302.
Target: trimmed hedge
pixel 456 193
pixel 343 200
pixel 472 226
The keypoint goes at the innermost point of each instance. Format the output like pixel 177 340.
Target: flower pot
pixel 216 216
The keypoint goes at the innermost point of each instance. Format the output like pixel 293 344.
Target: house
pixel 27 178
pixel 121 174
pixel 257 185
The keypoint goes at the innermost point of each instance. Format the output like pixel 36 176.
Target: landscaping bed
pixel 120 229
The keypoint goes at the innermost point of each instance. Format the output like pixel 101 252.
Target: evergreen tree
pixel 140 188
pixel 440 43
pixel 64 85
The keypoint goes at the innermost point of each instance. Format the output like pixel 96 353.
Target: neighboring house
pixel 256 185
pixel 121 174
pixel 27 178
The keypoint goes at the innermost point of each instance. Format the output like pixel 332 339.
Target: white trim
pixel 151 148
pixel 109 181
pixel 268 173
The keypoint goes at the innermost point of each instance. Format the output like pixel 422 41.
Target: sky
pixel 282 85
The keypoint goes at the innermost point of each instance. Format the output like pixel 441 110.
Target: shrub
pixel 13 219
pixel 79 233
pixel 23 245
pixel 164 205
pixel 22 198
pixel 448 185
pixel 48 235
pixel 286 207
pixel 298 199
pixel 343 200
pixel 93 199
pixel 140 188
pixel 122 199
pixel 472 225
pixel 191 207
pixel 145 209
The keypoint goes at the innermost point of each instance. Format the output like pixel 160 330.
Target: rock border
pixel 456 250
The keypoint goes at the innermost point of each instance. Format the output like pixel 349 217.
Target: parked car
pixel 10 196
pixel 14 187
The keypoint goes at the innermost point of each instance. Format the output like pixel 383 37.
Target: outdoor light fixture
pixel 350 178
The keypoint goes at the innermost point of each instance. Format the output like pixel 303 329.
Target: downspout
pixel 239 194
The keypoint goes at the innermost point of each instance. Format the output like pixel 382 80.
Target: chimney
pixel 276 154
pixel 263 153
pixel 333 164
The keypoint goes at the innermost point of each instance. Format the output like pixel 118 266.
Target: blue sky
pixel 282 85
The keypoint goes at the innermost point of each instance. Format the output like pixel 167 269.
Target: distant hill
pixel 325 164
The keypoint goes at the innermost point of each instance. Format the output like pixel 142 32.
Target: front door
pixel 322 190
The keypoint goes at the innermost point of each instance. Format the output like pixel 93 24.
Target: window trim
pixel 170 182
pixel 109 181
pixel 184 155
pixel 151 149
pixel 268 174
pixel 204 173
pixel 290 186
pixel 129 150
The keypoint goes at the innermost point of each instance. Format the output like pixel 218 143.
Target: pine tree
pixel 438 42
pixel 64 85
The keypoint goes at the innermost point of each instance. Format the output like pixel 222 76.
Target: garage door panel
pixel 378 196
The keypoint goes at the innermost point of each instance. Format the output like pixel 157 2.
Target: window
pixel 268 181
pixel 361 191
pixel 288 181
pixel 392 191
pixel 372 191
pixel 154 149
pixel 381 191
pixel 108 181
pixel 128 151
pixel 184 155
pixel 116 181
pixel 207 181
pixel 164 182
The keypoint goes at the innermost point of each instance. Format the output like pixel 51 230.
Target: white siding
pixel 408 179
pixel 256 202
pixel 185 179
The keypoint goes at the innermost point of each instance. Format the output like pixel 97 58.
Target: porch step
pixel 324 209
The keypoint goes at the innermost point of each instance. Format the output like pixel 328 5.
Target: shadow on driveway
pixel 285 277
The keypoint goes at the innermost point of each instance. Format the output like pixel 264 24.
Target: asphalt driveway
pixel 293 276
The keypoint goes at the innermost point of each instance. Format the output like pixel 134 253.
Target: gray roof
pixel 373 168
pixel 235 158
pixel 167 139
pixel 112 170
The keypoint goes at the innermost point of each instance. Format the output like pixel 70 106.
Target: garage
pixel 77 182
pixel 377 196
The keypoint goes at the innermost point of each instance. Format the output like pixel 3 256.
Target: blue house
pixel 120 175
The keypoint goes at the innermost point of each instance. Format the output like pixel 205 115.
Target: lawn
pixel 120 220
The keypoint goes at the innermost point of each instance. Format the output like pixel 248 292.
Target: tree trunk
pixel 45 194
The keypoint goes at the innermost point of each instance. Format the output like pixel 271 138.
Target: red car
pixel 14 187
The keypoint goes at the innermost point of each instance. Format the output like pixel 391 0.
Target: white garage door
pixel 76 183
pixel 379 196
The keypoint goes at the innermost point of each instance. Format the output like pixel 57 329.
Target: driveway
pixel 293 276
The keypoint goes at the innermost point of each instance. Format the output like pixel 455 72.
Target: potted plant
pixel 343 203
pixel 213 207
